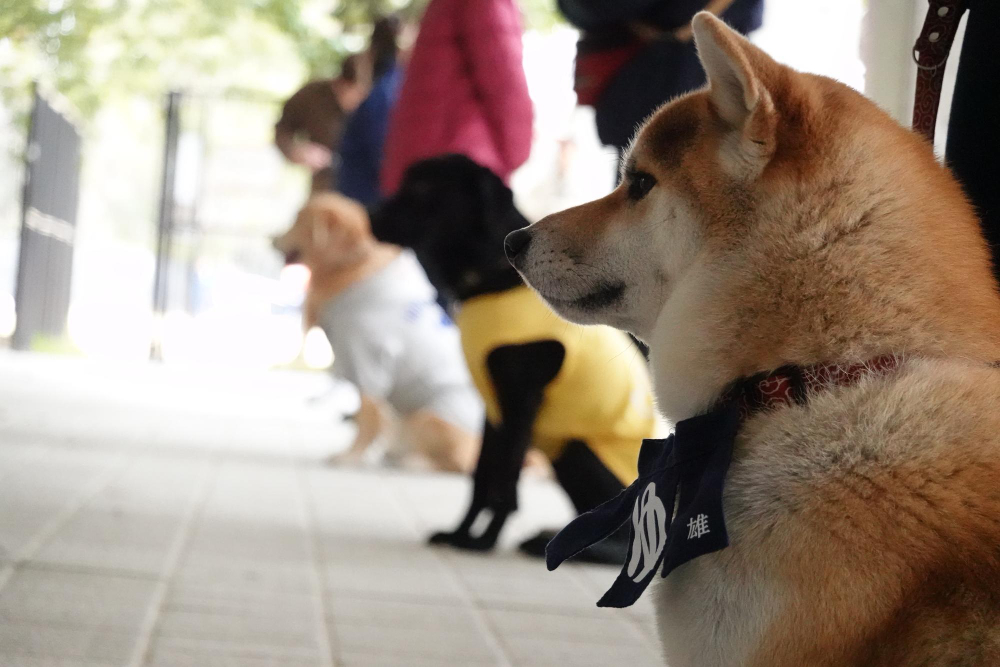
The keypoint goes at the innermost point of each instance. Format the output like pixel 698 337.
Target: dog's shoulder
pixel 856 522
pixel 926 425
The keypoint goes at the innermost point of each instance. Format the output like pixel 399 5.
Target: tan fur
pixel 332 237
pixel 436 439
pixel 792 221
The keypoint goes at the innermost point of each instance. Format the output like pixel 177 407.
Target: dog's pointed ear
pixel 738 73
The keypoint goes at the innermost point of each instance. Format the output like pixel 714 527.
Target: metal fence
pixel 48 225
pixel 225 190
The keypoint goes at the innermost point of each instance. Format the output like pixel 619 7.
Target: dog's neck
pixel 330 279
pixel 478 283
pixel 367 258
pixel 500 276
pixel 845 304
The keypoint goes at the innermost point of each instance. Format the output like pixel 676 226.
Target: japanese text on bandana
pixel 675 506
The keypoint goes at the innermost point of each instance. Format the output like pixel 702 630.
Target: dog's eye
pixel 639 184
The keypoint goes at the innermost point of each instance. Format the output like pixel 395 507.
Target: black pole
pixel 165 221
pixel 23 287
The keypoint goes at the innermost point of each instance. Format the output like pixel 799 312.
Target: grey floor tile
pixel 241 596
pixel 243 578
pixel 277 627
pixel 194 658
pixel 75 599
pixel 225 652
pixel 387 580
pixel 544 590
pixel 607 626
pixel 409 630
pixel 419 614
pixel 446 644
pixel 389 660
pixel 531 651
pixel 14 660
pixel 40 489
pixel 67 642
pixel 111 540
pixel 277 561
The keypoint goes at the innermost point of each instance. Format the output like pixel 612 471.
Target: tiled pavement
pixel 180 518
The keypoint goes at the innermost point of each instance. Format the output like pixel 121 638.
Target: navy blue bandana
pixel 690 468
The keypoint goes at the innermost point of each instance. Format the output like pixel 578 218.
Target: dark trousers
pixel 973 150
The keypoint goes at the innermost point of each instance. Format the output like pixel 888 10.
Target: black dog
pixel 455 215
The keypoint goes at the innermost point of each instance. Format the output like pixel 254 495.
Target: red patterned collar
pixel 793 384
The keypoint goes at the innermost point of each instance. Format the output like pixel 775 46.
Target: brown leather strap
pixel 931 53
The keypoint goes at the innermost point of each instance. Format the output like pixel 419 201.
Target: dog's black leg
pixel 462 536
pixel 463 530
pixel 490 458
pixel 588 483
pixel 584 477
pixel 520 374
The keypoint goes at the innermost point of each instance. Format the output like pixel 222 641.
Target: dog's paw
pixel 442 537
pixel 535 546
pixel 462 540
pixel 346 459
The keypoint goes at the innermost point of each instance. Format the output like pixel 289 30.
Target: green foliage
pixel 114 60
pixel 61 345
pixel 94 51
pixel 97 51
pixel 541 14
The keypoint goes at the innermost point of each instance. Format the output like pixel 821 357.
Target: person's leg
pixel 588 483
pixel 973 150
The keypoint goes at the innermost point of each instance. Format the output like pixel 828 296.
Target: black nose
pixel 516 243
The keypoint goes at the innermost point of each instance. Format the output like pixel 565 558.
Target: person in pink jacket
pixel 464 91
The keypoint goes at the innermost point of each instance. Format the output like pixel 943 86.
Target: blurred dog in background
pixel 389 337
pixel 581 395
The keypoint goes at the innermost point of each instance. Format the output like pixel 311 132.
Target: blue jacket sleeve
pixel 363 142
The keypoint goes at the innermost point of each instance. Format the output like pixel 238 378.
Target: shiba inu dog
pixel 389 337
pixel 777 218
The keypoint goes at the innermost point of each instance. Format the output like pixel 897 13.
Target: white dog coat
pixel 393 341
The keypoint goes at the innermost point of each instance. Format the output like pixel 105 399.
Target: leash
pixel 930 53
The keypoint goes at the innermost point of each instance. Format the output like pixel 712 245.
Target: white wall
pixel 890 29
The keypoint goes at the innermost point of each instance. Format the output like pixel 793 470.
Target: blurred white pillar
pixel 889 31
